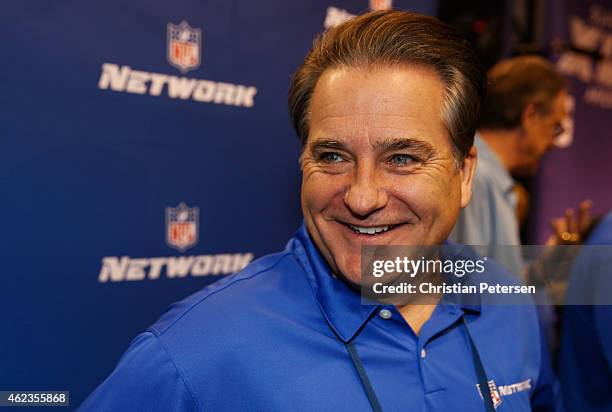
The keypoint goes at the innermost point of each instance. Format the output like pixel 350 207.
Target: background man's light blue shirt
pixel 490 219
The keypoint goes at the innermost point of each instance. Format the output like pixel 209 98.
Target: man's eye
pixel 330 157
pixel 401 159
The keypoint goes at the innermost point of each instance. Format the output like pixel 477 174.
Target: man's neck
pixel 503 143
pixel 416 315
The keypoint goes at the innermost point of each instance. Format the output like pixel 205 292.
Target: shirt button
pixel 385 314
pixel 423 353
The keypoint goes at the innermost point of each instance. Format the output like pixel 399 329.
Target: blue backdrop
pixel 580 34
pixel 112 114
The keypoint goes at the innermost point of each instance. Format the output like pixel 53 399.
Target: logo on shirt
pixel 495 397
pixel 184 46
pixel 505 390
pixel 182 226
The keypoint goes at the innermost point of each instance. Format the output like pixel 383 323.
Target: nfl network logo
pixel 495 397
pixel 182 226
pixel 184 46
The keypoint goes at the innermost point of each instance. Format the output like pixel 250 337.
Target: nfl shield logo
pixel 182 226
pixel 495 397
pixel 184 44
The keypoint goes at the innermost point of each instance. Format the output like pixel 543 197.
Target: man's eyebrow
pixel 400 143
pixel 327 144
pixel 424 148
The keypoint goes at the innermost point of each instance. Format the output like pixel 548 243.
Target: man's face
pixel 378 165
pixel 540 131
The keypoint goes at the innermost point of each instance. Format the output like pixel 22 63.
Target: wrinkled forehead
pixel 380 104
pixel 378 87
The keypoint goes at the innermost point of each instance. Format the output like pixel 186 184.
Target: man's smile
pixel 380 232
pixel 371 230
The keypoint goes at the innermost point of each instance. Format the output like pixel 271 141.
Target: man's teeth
pixel 370 230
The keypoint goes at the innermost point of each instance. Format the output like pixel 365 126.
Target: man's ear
pixel 467 175
pixel 529 116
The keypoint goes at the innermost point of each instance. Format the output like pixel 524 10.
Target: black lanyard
pixel 483 381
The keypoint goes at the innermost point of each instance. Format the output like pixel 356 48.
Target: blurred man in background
pixel 521 116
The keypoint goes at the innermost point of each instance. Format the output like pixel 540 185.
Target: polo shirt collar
pixel 341 305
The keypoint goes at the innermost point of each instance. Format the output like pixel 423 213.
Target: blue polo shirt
pixel 585 354
pixel 272 338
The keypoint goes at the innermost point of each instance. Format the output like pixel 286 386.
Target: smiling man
pixel 378 166
pixel 385 107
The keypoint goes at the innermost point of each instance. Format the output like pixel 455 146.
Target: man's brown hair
pixel 513 84
pixel 398 38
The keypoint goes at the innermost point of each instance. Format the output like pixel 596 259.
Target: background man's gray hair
pixel 513 84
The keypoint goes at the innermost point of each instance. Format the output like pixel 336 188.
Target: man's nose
pixel 366 192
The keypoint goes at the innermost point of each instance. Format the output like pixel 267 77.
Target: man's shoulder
pixel 239 296
pixel 209 338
